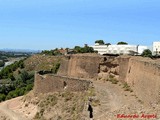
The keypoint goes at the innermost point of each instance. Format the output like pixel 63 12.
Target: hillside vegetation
pixel 41 62
pixel 17 79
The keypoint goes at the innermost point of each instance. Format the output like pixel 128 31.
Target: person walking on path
pixel 90 109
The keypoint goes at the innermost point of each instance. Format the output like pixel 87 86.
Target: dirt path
pixel 112 98
pixel 10 114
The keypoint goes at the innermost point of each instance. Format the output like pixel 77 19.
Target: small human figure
pixel 90 109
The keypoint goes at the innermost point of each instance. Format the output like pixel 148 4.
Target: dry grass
pixel 112 79
pixel 127 87
pixel 66 105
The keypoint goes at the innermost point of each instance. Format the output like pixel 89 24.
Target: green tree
pixel 122 43
pixel 11 76
pixel 85 49
pixel 78 49
pixel 24 76
pixel 47 52
pixel 147 53
pixel 2 63
pixel 21 64
pixel 29 87
pixel 3 89
pixel 55 68
pixel 10 95
pixel 108 44
pixel 88 49
pixel 2 97
pixel 56 52
pixel 20 86
pixel 101 42
pixel 4 73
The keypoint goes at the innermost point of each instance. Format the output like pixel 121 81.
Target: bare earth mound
pixel 111 100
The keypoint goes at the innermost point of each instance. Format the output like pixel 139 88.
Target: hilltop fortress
pixel 77 72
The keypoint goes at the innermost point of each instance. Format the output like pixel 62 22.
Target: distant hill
pixel 20 50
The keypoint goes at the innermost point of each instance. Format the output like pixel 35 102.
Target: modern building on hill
pixel 156 48
pixel 100 48
pixel 119 49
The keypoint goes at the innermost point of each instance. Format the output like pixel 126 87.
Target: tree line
pixel 54 52
pixel 13 85
pixel 7 72
pixel 85 49
pixel 101 42
pixel 76 49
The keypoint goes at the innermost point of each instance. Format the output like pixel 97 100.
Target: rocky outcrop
pixel 109 66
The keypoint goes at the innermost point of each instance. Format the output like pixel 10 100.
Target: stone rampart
pixel 75 72
pixel 143 75
pixel 54 83
pixel 82 65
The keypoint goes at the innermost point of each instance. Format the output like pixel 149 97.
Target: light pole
pixel 137 49
pixel 156 51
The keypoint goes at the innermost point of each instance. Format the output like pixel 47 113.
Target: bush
pixel 10 68
pixel 18 87
pixel 29 87
pixel 11 76
pixel 55 68
pixel 2 97
pixel 122 43
pixel 11 95
pixel 2 63
pixel 147 53
pixel 112 79
pixel 101 42
pixel 127 87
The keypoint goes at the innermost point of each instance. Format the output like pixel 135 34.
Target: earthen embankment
pixel 143 75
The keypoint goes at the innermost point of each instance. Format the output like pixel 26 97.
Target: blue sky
pixel 47 24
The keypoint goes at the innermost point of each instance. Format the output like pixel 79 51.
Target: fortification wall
pixel 54 83
pixel 80 66
pixel 74 71
pixel 143 75
pixel 64 64
pixel 83 65
pixel 123 67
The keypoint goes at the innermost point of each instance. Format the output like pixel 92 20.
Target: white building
pixel 141 49
pixel 119 49
pixel 100 48
pixel 156 48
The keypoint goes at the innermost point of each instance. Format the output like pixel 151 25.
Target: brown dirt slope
pixel 41 62
pixel 108 100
